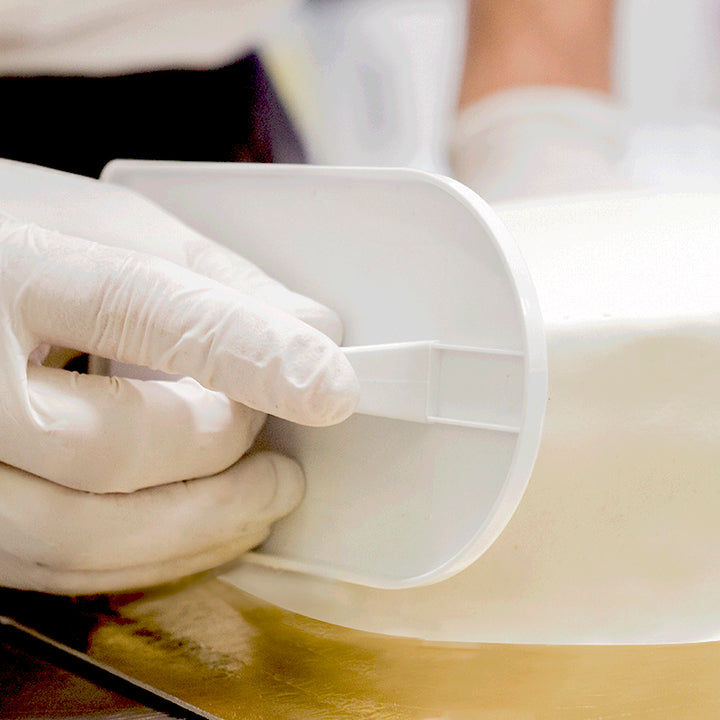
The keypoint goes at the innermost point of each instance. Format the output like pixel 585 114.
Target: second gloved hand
pixel 108 483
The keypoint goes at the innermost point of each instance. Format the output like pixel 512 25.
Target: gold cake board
pixel 228 655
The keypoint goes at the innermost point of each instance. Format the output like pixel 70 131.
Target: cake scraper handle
pixel 432 382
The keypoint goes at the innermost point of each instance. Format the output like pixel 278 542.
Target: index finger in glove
pixel 143 310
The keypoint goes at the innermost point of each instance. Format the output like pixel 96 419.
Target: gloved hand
pixel 111 484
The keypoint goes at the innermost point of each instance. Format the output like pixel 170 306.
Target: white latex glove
pixel 98 490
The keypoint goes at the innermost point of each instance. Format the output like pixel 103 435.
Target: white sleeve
pixel 542 141
pixel 539 141
pixel 116 36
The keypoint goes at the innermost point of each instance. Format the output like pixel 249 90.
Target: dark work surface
pixel 38 680
pixel 32 686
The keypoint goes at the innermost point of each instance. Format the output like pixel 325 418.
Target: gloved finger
pixel 52 526
pixel 143 310
pixel 114 216
pixel 23 574
pixel 102 434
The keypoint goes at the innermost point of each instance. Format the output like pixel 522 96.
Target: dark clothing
pixel 78 124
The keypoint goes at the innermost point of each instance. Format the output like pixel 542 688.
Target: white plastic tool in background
pixel 444 331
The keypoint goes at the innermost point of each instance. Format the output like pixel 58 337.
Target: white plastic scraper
pixel 443 328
